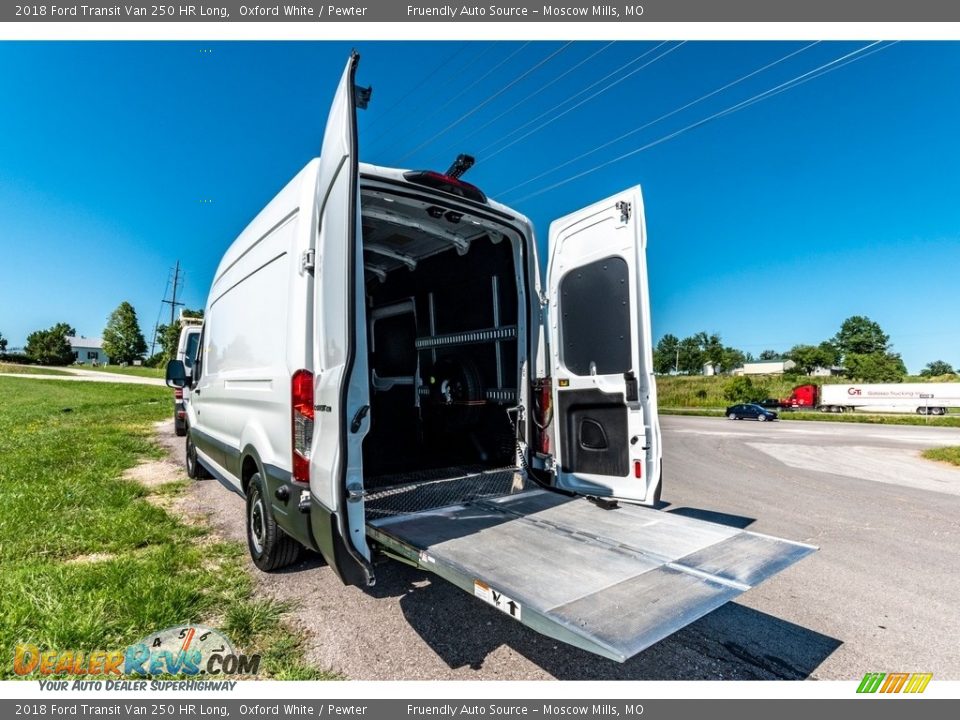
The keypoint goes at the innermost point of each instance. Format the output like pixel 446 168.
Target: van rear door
pixel 339 350
pixel 604 395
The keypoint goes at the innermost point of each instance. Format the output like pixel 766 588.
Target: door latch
pixel 355 493
pixel 358 418
pixel 624 207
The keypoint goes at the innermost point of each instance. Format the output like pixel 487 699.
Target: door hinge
pixel 355 493
pixel 362 96
pixel 308 260
pixel 624 207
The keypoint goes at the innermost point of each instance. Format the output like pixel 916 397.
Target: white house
pixel 765 367
pixel 88 350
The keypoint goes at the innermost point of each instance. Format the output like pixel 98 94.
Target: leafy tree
pixel 768 355
pixel 691 356
pixel 933 369
pixel 122 339
pixel 875 367
pixel 50 347
pixel 665 354
pixel 859 335
pixel 731 358
pixel 809 357
pixel 3 343
pixel 743 389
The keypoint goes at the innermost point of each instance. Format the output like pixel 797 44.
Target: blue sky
pixel 769 226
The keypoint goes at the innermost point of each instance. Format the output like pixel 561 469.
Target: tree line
pixel 860 349
pixel 123 340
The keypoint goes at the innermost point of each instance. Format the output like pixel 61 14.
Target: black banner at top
pixel 308 11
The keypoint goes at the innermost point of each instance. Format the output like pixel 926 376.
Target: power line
pixel 659 119
pixel 572 97
pixel 471 61
pixel 765 95
pixel 532 95
pixel 585 100
pixel 490 99
pixel 443 63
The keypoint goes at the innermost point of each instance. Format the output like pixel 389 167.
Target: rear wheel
pixel 270 548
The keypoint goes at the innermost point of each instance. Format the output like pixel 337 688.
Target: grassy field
pixel 137 370
pixel 947 454
pixel 29 369
pixel 88 562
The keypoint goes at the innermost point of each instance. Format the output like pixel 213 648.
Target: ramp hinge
pixel 624 207
pixel 308 260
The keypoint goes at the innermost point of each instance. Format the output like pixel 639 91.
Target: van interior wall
pixel 454 418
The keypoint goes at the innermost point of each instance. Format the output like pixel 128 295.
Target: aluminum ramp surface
pixel 611 581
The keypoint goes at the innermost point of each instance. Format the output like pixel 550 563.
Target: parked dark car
pixel 751 411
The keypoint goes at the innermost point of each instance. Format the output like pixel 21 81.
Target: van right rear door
pixel 339 350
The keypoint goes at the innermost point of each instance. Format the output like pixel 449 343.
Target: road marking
pixel 894 466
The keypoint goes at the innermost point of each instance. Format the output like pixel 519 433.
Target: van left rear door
pixel 339 349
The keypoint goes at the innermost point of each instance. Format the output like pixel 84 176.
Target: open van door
pixel 607 431
pixel 340 391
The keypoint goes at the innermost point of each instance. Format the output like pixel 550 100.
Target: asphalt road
pixel 880 595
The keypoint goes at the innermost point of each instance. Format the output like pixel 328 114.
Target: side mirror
pixel 176 374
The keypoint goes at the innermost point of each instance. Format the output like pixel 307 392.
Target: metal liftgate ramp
pixel 610 581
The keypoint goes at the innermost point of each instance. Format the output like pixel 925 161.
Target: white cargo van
pixel 187 345
pixel 381 372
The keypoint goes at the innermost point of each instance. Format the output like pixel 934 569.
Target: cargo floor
pixel 611 581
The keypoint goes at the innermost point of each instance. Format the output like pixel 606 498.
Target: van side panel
pixel 247 381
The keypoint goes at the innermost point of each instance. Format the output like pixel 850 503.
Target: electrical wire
pixel 765 95
pixel 472 61
pixel 572 97
pixel 529 97
pixel 585 100
pixel 646 125
pixel 490 99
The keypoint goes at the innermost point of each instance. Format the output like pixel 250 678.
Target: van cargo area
pixel 443 344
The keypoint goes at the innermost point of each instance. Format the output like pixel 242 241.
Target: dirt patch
pixel 90 558
pixel 154 473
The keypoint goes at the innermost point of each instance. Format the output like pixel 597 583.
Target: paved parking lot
pixel 880 595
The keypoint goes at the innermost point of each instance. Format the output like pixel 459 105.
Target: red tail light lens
pixel 543 413
pixel 301 411
pixel 178 393
pixel 638 469
pixel 447 184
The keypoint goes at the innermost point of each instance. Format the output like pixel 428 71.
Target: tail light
pixel 178 393
pixel 543 413
pixel 638 469
pixel 301 412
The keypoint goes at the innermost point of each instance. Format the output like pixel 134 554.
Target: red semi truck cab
pixel 802 396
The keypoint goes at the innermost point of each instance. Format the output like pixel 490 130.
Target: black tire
pixel 179 427
pixel 762 418
pixel 195 471
pixel 270 547
pixel 732 416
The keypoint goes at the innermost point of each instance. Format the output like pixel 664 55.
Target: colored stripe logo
pixel 894 682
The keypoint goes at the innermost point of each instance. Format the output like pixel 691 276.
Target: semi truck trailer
pixel 921 398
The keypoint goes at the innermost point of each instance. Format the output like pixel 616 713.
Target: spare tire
pixel 456 392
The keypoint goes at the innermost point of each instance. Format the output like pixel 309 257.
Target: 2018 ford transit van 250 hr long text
pixel 380 371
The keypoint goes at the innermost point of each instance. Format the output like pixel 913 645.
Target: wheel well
pixel 247 471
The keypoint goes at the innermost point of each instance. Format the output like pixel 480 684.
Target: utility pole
pixel 676 367
pixel 172 302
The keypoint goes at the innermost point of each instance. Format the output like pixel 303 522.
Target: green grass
pixel 87 562
pixel 29 369
pixel 138 370
pixel 947 454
